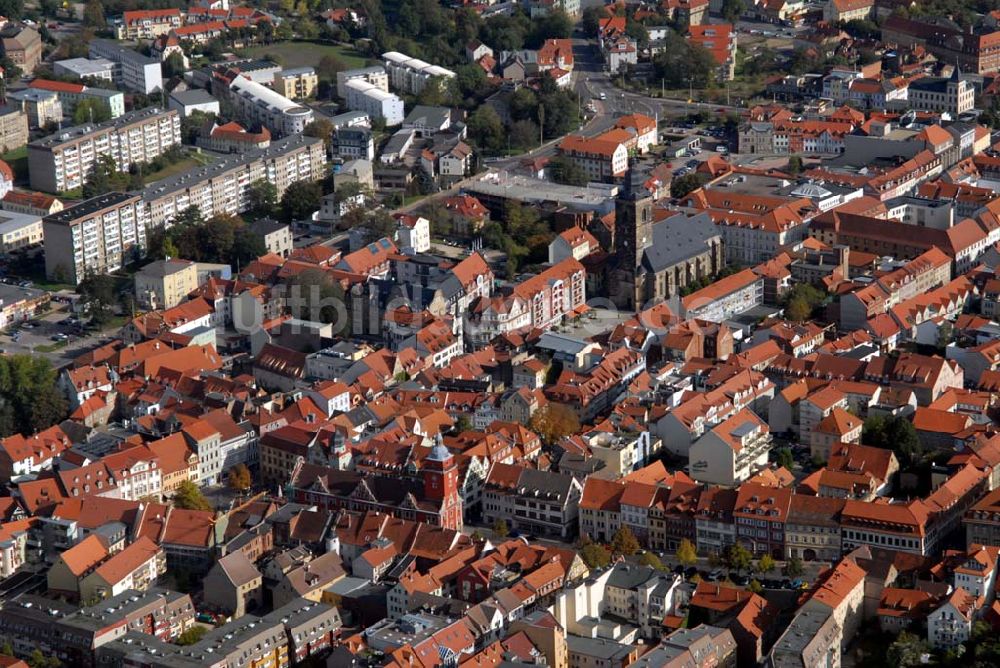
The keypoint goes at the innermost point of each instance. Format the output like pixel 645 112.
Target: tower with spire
pixel 633 234
pixel 440 476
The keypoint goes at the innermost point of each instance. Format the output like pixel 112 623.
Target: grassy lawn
pixel 51 347
pixel 191 162
pixel 18 161
pixel 115 323
pixel 301 54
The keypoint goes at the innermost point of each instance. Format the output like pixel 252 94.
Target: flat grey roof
pixel 78 131
pixel 297 71
pixel 526 189
pixel 224 164
pixel 195 96
pixel 10 221
pixel 88 207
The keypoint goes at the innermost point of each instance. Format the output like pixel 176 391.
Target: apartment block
pixel 71 94
pixel 94 237
pixel 96 68
pixel 42 106
pixel 375 75
pixel 726 297
pixel 369 98
pixel 23 45
pixel 13 127
pixel 132 69
pixel 258 104
pixel 19 230
pixel 148 23
pixel 63 161
pixel 411 75
pixel 603 158
pixel 223 186
pixel 296 83
pixel 165 283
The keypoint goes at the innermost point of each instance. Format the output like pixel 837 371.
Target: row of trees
pixel 30 400
pixel 523 235
pixel 221 238
pixel 427 29
pixel 299 201
pixel 106 178
pixel 555 110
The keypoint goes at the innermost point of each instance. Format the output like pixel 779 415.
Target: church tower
pixel 633 234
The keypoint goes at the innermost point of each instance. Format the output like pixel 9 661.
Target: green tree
pixel 733 9
pixel 684 64
pixel 554 421
pixel 765 564
pixel 794 165
pixel 783 457
pixel 316 296
pixel 471 83
pixel 247 246
pixel 556 24
pixel 189 497
pixel 463 423
pixel 300 200
pixel 191 126
pixel 755 586
pixel 173 66
pixel 29 398
pixel 624 543
pixel 192 635
pixel 239 478
pixel 500 528
pixel 907 650
pixel 93 15
pixel 523 134
pixel 798 310
pixel 98 297
pixel 686 553
pixel 328 67
pixel 595 555
pixel 738 557
pixel 681 187
pixel 651 560
pixel 90 111
pixel 486 129
pixel 523 104
pixel 263 198
pixel 591 20
pixel 566 171
pixel 894 433
pixel 794 568
pixel 216 236
pixel 944 333
pixel 321 128
pixel 807 297
pixel 637 32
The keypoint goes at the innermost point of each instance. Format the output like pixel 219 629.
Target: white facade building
pixel 132 69
pixel 366 97
pixel 411 75
pixel 256 103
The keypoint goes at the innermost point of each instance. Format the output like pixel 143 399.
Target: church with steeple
pixel 657 253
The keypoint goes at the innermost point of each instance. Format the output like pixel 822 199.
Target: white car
pixel 603 95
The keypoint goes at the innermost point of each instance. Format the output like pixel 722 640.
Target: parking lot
pixel 53 336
